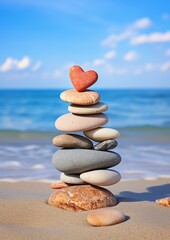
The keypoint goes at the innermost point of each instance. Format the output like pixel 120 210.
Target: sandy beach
pixel 26 215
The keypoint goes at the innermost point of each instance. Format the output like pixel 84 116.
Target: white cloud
pixel 8 64
pixel 142 23
pixel 23 63
pixel 113 39
pixel 46 75
pixel 137 71
pixel 151 38
pixel 57 73
pixel 14 64
pixel 98 62
pixel 37 66
pixel 110 55
pixel 60 72
pixel 130 31
pixel 167 52
pixel 149 67
pixel 130 56
pixel 102 61
pixel 110 69
pixel 165 67
pixel 68 65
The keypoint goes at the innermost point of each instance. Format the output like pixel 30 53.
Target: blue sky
pixel 126 42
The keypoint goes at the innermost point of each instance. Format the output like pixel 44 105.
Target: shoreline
pixel 47 181
pixel 26 215
pixel 143 157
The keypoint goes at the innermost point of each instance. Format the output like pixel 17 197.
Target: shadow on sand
pixel 152 193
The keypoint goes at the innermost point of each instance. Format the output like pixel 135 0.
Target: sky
pixel 126 42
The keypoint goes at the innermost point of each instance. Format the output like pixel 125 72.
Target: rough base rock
pixel 163 201
pixel 82 198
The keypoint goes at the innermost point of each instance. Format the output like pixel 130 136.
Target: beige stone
pixel 72 141
pixel 71 178
pixel 92 109
pixel 105 217
pixel 81 98
pixel 101 177
pixel 75 123
pixel 101 134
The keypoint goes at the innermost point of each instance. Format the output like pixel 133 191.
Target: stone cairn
pixel 84 167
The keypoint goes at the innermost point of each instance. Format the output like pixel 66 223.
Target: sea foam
pixel 10 164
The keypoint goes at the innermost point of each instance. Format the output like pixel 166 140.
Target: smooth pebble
pixel 72 141
pixel 101 134
pixel 59 184
pixel 82 198
pixel 75 161
pixel 92 109
pixel 102 177
pixel 163 201
pixel 71 178
pixel 81 98
pixel 75 123
pixel 105 217
pixel 106 145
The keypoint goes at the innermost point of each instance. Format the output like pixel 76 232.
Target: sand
pixel 24 213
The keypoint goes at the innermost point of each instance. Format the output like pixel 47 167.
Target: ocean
pixel 27 128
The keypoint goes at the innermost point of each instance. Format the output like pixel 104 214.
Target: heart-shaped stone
pixel 82 80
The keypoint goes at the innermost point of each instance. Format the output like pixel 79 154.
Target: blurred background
pixel 126 42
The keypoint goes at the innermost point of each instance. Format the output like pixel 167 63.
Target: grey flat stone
pixel 74 161
pixel 106 145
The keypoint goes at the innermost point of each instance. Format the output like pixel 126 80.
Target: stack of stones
pixel 84 165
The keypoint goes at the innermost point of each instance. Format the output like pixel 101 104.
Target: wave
pixel 30 134
pixel 10 164
pixel 146 128
pixel 38 167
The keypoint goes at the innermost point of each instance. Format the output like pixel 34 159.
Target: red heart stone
pixel 82 80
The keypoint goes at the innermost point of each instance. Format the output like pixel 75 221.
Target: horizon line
pixel 117 88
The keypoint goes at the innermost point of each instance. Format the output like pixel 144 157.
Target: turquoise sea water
pixel 27 127
pixel 37 110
